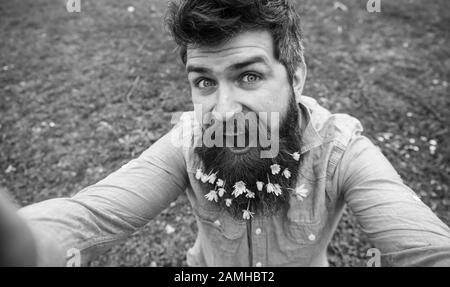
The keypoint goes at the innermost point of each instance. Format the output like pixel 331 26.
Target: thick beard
pixel 250 168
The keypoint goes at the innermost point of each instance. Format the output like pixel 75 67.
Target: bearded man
pixel 267 171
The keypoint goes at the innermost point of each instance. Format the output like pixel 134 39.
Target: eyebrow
pixel 237 66
pixel 195 69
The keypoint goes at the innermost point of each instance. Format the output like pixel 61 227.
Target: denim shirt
pixel 340 166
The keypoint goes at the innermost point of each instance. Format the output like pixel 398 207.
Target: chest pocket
pixel 222 233
pixel 299 237
pixel 303 227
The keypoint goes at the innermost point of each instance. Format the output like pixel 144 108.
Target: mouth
pixel 239 150
pixel 239 143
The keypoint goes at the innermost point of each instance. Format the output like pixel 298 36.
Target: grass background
pixel 66 120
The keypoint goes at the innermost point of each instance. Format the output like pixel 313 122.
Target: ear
pixel 299 78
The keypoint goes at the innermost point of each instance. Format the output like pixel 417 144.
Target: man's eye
pixel 205 83
pixel 250 78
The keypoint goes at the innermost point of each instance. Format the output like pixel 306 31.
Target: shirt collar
pixel 310 136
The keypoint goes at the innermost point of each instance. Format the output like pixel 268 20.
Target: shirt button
pixel 258 264
pixel 217 223
pixel 258 231
pixel 312 237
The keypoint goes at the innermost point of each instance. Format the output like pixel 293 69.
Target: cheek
pixel 203 107
pixel 276 104
pixel 205 102
pixel 273 100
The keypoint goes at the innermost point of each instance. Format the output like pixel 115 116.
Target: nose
pixel 226 106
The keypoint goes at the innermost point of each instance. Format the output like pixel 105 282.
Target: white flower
pixel 204 178
pixel 296 156
pixel 212 195
pixel 247 214
pixel 286 173
pixel 277 189
pixel 198 174
pixel 301 192
pixel 432 149
pixel 259 185
pixel 10 169
pixel 239 188
pixel 250 194
pixel 170 229
pixel 212 178
pixel 219 182
pixel 228 202
pixel 270 187
pixel 275 168
pixel 221 191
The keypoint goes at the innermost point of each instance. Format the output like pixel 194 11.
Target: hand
pixel 17 246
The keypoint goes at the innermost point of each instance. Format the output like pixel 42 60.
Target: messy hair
pixel 196 23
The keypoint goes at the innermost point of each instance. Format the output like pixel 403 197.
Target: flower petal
pixel 286 173
pixel 198 174
pixel 259 185
pixel 275 168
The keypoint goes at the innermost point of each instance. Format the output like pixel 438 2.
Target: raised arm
pixel 107 212
pixel 397 222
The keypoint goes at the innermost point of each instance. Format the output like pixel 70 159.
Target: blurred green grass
pixel 65 120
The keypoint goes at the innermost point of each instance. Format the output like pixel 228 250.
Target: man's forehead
pixel 249 43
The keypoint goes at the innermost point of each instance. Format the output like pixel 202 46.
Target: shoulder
pixel 340 128
pixel 331 135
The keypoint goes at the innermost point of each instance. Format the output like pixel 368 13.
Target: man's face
pixel 239 76
pixel 243 77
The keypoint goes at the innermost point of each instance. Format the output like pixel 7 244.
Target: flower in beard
pixel 247 214
pixel 275 168
pixel 259 185
pixel 204 178
pixel 220 182
pixel 286 173
pixel 296 156
pixel 270 187
pixel 212 178
pixel 198 174
pixel 221 191
pixel 277 190
pixel 228 202
pixel 239 188
pixel 274 188
pixel 212 195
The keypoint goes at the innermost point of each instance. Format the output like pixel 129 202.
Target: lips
pixel 239 150
pixel 244 140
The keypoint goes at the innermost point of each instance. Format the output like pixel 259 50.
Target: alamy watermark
pixel 375 257
pixel 73 6
pixel 373 6
pixel 73 257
